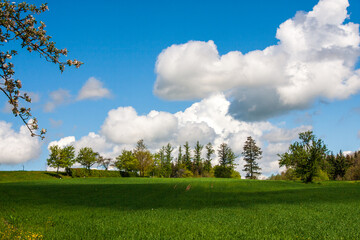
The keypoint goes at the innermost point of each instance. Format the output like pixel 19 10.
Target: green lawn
pixel 146 208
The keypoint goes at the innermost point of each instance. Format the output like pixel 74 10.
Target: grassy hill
pixel 202 208
pixel 19 176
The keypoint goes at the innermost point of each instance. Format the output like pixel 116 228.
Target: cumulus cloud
pixel 57 97
pixel 123 125
pixel 63 142
pixel 93 89
pixel 204 121
pixel 315 58
pixel 17 147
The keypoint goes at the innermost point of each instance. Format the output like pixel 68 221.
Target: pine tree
pixel 251 153
pixel 197 159
pixel 187 157
pixel 209 152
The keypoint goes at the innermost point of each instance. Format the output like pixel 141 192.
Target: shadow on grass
pixel 168 195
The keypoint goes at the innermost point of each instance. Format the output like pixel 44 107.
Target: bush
pixel 321 176
pixel 235 174
pixel 128 174
pixel 222 172
pixel 83 172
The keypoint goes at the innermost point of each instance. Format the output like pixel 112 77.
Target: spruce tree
pixel 251 153
pixel 209 152
pixel 198 165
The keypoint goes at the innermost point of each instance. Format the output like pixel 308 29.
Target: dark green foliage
pixel 166 164
pixel 338 165
pixel 187 157
pixel 305 156
pixel 251 153
pixel 353 172
pixel 198 161
pixel 222 172
pixel 209 152
pixel 226 156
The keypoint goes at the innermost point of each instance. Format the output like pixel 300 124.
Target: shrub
pixel 235 174
pixel 321 176
pixel 83 172
pixel 222 172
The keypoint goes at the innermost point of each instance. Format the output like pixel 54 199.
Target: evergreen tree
pixel 187 157
pixel 209 152
pixel 180 158
pixel 251 153
pixel 197 167
pixel 168 158
pixel 226 156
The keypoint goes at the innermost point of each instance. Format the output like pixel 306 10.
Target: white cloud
pixel 17 147
pixel 57 97
pixel 358 135
pixel 279 135
pixel 315 58
pixel 124 126
pixel 63 142
pixel 93 89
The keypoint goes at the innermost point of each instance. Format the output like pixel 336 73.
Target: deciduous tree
pixel 143 156
pixel 87 157
pixel 304 156
pixel 126 161
pixel 18 24
pixel 61 157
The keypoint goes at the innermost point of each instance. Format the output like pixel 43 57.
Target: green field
pixel 150 208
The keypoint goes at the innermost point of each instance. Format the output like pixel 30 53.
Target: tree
pixel 126 161
pixel 143 156
pixel 338 165
pixel 226 156
pixel 187 157
pixel 87 157
pixel 304 156
pixel 17 23
pixel 198 159
pixel 104 162
pixel 226 162
pixel 166 167
pixel 209 152
pixel 61 157
pixel 251 153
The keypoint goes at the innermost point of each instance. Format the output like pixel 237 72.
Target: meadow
pixel 194 208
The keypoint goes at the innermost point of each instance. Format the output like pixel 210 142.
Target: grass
pixel 148 208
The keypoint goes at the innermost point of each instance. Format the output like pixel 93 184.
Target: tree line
pixel 189 162
pixel 309 159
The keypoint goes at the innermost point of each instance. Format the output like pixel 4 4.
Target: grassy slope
pixel 18 176
pixel 135 208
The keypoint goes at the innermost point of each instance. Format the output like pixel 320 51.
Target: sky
pixel 177 71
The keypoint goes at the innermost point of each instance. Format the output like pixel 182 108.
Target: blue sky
pixel 120 43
